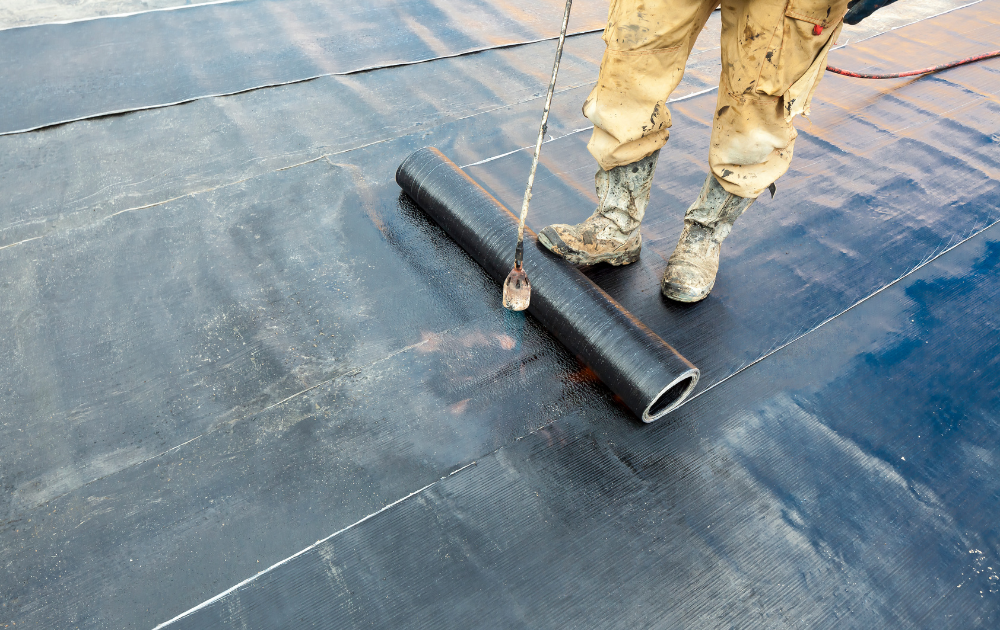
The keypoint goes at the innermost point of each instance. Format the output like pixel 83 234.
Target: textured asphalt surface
pixel 229 336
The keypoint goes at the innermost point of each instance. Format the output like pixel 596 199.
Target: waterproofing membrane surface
pixel 162 57
pixel 230 336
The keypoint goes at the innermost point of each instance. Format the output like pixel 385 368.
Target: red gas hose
pixel 913 73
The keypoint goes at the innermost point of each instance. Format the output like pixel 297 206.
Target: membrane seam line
pixel 915 269
pixel 575 131
pixel 388 66
pixel 319 542
pixel 895 28
pixel 120 15
pixel 326 155
pixel 473 463
pixel 119 112
pixel 337 377
pixel 231 589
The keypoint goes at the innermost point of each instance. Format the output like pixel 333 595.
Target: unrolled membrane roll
pixel 646 372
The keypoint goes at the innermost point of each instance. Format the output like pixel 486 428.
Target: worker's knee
pixel 648 45
pixel 610 151
pixel 629 104
pixel 774 54
pixel 751 143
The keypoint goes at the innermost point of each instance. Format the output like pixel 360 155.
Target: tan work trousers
pixel 773 56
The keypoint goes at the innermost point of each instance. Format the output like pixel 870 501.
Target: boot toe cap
pixel 683 283
pixel 681 293
pixel 550 239
pixel 566 241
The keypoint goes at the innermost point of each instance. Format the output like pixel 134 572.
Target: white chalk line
pixel 274 566
pixel 193 193
pixel 192 99
pixel 359 70
pixel 119 15
pixel 96 479
pixel 347 374
pixel 353 372
pixel 929 17
pixel 576 131
pixel 909 273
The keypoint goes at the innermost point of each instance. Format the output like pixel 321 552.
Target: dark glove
pixel 858 10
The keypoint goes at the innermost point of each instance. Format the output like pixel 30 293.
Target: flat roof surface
pixel 229 336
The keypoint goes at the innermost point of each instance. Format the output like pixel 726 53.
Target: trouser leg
pixel 648 43
pixel 773 56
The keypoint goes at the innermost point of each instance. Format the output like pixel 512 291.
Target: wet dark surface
pixel 227 338
pixel 59 72
pixel 852 482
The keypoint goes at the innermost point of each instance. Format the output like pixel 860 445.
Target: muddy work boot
pixel 611 234
pixel 691 270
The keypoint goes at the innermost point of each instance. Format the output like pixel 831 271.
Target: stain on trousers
pixel 773 56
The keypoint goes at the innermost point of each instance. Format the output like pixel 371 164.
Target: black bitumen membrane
pixel 94 67
pixel 228 335
pixel 645 372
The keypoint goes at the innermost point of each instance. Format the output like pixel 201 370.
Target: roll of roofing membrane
pixel 643 370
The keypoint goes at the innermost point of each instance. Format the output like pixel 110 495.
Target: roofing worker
pixel 773 56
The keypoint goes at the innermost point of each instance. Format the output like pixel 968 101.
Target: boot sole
pixel 550 240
